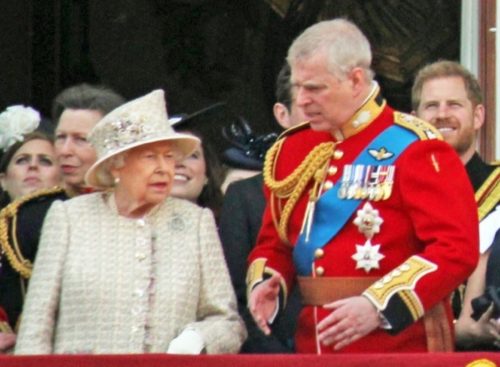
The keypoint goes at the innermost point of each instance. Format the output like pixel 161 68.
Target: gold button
pixel 328 185
pixel 320 271
pixel 318 254
pixel 338 154
pixel 332 170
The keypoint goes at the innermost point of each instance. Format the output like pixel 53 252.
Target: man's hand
pixel 7 341
pixel 351 319
pixel 487 328
pixel 263 302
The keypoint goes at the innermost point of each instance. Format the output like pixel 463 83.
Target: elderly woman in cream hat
pixel 130 269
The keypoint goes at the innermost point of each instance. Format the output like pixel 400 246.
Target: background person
pixel 130 269
pixel 75 110
pixel 375 247
pixel 199 176
pixel 27 157
pixel 241 218
pixel 245 154
pixel 27 164
pixel 449 96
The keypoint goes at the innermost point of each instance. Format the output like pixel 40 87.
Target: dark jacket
pixel 23 220
pixel 240 222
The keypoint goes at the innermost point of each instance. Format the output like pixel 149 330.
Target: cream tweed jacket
pixel 105 284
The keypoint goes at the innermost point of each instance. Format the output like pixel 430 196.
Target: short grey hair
pixel 103 173
pixel 346 47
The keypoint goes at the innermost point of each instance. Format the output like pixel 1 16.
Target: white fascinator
pixel 15 122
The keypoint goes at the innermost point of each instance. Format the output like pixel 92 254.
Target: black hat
pixel 247 150
pixel 206 123
pixel 230 135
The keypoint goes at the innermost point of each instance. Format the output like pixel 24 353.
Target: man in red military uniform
pixel 362 212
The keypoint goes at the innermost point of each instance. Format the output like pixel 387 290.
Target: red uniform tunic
pixel 4 322
pixel 428 237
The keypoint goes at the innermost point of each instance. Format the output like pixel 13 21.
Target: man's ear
pixel 282 115
pixel 478 115
pixel 2 181
pixel 358 80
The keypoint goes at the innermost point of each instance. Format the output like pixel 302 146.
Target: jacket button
pixel 338 154
pixel 332 170
pixel 328 185
pixel 318 254
pixel 320 271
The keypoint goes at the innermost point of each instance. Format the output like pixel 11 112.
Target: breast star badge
pixel 368 220
pixel 367 256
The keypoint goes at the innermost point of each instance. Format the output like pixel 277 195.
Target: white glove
pixel 188 342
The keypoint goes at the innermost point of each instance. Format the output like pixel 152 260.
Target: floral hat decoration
pixel 15 122
pixel 141 121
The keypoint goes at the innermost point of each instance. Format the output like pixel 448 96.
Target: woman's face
pixel 74 153
pixel 146 177
pixel 31 168
pixel 190 176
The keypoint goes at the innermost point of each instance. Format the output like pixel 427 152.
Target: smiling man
pixel 449 97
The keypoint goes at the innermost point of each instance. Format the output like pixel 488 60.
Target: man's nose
pixel 301 97
pixel 443 111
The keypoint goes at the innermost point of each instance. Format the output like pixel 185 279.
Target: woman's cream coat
pixel 103 283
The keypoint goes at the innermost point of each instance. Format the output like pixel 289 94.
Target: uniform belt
pixel 320 291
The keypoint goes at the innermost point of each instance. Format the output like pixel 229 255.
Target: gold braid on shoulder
pixel 292 187
pixel 11 249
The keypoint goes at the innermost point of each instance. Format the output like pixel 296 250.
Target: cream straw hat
pixel 141 121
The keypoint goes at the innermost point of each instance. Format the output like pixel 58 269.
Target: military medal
pixel 360 182
pixel 387 186
pixel 368 221
pixel 367 256
pixel 360 189
pixel 353 189
pixel 346 179
pixel 373 183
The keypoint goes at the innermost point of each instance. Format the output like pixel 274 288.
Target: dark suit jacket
pixel 240 222
pixel 478 171
pixel 29 220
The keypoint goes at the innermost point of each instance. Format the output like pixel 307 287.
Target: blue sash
pixel 331 212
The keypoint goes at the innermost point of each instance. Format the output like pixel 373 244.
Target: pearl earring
pixel 117 180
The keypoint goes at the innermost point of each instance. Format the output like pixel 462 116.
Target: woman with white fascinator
pixel 131 269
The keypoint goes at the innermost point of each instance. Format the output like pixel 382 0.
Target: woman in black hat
pixel 198 177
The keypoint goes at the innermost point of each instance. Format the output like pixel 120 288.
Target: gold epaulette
pixel 9 246
pixel 421 128
pixel 294 129
pixel 488 195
